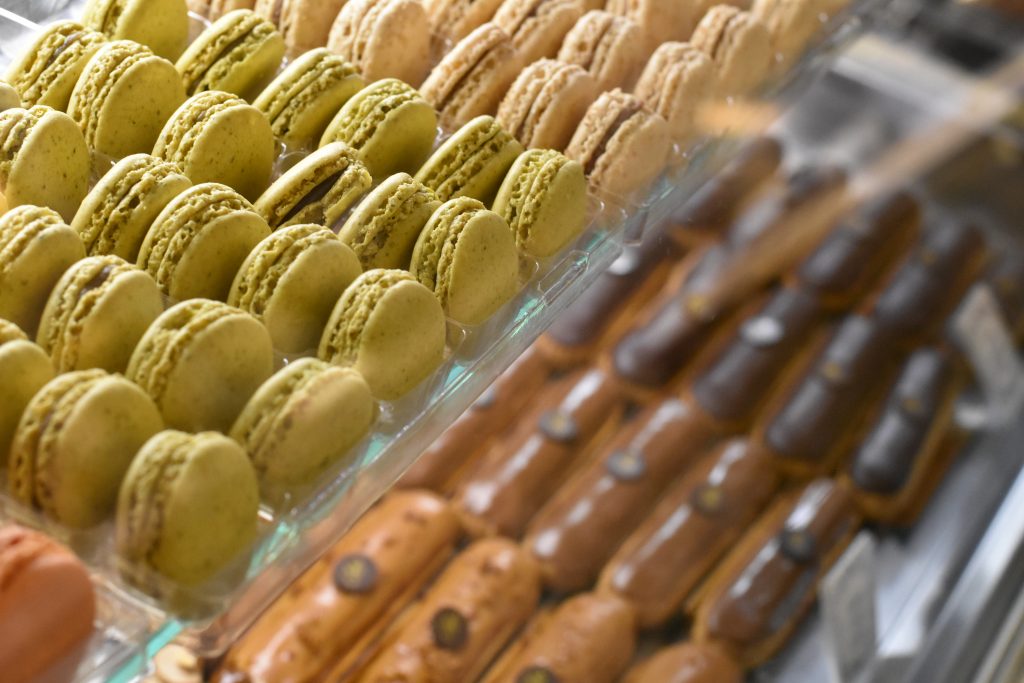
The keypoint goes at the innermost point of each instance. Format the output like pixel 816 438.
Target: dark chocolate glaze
pixel 885 459
pixel 653 354
pixel 876 220
pixel 735 385
pixel 912 301
pixel 947 247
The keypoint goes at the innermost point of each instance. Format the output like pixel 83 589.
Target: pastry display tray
pixel 944 586
pixel 134 626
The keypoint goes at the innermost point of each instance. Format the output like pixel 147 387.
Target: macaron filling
pixel 314 196
pixel 629 109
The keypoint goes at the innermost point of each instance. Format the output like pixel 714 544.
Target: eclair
pixel 520 471
pixel 664 561
pixel 576 532
pixel 333 614
pixel 477 605
pixel 907 450
pixel 457 450
pixel 714 206
pixel 759 594
pixel 854 255
pixel 687 663
pixel 914 304
pixel 589 638
pixel 810 423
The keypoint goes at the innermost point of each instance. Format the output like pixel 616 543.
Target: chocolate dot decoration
pixel 762 331
pixel 450 629
pixel 558 426
pixel 627 465
pixel 355 574
pixel 536 674
pixel 707 499
pixel 798 545
pixel 486 399
pixel 833 372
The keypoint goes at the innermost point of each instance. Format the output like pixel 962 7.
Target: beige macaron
pixel 608 46
pixel 546 102
pixel 738 44
pixel 676 80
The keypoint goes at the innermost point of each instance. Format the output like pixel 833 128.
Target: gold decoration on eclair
pixel 833 372
pixel 708 499
pixel 798 545
pixel 355 574
pixel 626 465
pixel 558 426
pixel 449 628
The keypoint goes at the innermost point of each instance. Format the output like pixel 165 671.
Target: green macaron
pixel 74 443
pixel 43 160
pixel 9 98
pixel 201 361
pixel 116 214
pixel 25 368
pixel 199 240
pixel 390 124
pixel 467 257
pixel 291 281
pixel 318 189
pixel 47 72
pixel 97 313
pixel 472 162
pixel 239 53
pixel 301 101
pixel 160 24
pixel 544 200
pixel 302 421
pixel 123 98
pixel 383 229
pixel 188 508
pixel 36 247
pixel 216 137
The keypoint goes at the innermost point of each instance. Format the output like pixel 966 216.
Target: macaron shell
pixel 48 71
pixel 9 98
pixel 51 166
pixel 88 456
pixel 546 103
pixel 792 25
pixel 453 20
pixel 162 25
pixel 538 27
pixel 676 79
pixel 745 55
pixel 484 271
pixel 25 368
pixel 609 46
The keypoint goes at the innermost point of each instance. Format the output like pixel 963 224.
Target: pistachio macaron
pixel 97 313
pixel 739 45
pixel 383 229
pixel 25 368
pixel 544 200
pixel 74 443
pixel 390 328
pixel 47 72
pixel 291 282
pixel 162 25
pixel 44 160
pixel 384 38
pixel 9 98
pixel 302 421
pixel 677 78
pixel 187 508
pixel 196 244
pixel 116 214
pixel 472 162
pixel 318 189
pixel 466 255
pixel 216 137
pixel 36 247
pixel 389 124
pixel 123 98
pixel 201 361
pixel 546 102
pixel 303 99
pixel 239 53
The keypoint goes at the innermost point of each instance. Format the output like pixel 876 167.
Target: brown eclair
pixel 808 426
pixel 334 612
pixel 914 304
pixel 665 560
pixel 907 450
pixel 578 530
pixel 477 605
pixel 714 206
pixel 755 600
pixel 520 471
pixel 687 663
pixel 1006 277
pixel 850 261
pixel 589 638
pixel 447 460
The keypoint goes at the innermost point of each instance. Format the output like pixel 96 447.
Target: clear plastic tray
pixel 134 625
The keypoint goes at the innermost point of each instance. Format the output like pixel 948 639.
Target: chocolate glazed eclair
pixel 687 663
pixel 521 471
pixel 767 584
pixel 589 638
pixel 580 527
pixel 664 561
pixel 850 261
pixel 482 599
pixel 335 612
pixel 908 448
pixel 457 450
